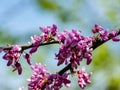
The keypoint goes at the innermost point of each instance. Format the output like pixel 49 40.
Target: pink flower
pixel 36 40
pixel 48 33
pixel 38 78
pixel 113 35
pixel 49 30
pixel 100 30
pixel 12 56
pixel 27 57
pixel 104 35
pixel 17 66
pixel 97 28
pixel 42 79
pixel 74 47
pixel 83 78
pixel 116 39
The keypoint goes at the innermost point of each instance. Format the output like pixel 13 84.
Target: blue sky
pixel 23 16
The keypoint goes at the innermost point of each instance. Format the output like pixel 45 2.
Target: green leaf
pixel 48 5
pixel 6 38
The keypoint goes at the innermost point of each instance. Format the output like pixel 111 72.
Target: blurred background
pixel 20 19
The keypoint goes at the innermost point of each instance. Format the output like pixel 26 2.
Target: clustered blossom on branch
pixel 83 78
pixel 105 34
pixel 74 47
pixel 12 56
pixel 47 35
pixel 42 78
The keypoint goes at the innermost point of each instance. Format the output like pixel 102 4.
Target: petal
pixel 9 62
pixel 27 57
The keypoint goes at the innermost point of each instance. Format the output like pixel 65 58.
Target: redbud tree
pixel 74 48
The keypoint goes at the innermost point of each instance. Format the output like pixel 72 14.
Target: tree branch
pixel 27 46
pixel 96 43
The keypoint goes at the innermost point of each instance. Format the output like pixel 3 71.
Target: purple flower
pixel 12 56
pixel 83 78
pixel 116 39
pixel 27 57
pixel 54 30
pixel 74 47
pixel 16 48
pixel 97 28
pixel 17 66
pixel 33 49
pixel 104 35
pixel 38 78
pixel 48 33
pixel 61 36
pixel 113 33
pixel 36 40
pixel 49 30
pixel 41 78
pixel 58 80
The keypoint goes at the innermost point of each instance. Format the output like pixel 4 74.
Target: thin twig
pixel 29 45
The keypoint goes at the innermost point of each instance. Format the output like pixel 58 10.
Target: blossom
pixel 97 28
pixel 17 66
pixel 100 30
pixel 36 40
pixel 116 39
pixel 38 78
pixel 74 47
pixel 49 30
pixel 12 56
pixel 113 35
pixel 47 34
pixel 27 57
pixel 105 34
pixel 56 81
pixel 83 78
pixel 41 78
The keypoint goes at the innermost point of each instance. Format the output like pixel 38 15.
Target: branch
pixel 96 43
pixel 27 46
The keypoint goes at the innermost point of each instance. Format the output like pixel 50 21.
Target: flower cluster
pixel 42 79
pixel 105 34
pixel 47 35
pixel 12 56
pixel 74 47
pixel 83 78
